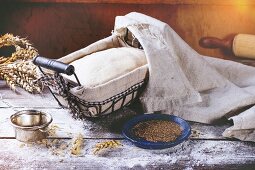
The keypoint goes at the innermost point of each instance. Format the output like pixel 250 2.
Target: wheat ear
pixel 106 145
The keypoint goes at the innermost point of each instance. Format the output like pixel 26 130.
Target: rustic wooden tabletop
pixel 205 149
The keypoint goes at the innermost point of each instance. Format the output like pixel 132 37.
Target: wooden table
pixel 207 150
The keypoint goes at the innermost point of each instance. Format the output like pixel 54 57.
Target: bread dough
pixel 103 66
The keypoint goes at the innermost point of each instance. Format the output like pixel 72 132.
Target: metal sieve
pixel 30 125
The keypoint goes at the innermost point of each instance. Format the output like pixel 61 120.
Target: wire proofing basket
pixel 61 88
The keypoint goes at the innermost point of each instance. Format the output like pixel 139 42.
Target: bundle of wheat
pixel 22 74
pixel 17 69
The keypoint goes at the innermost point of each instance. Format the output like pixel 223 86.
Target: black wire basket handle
pixel 56 66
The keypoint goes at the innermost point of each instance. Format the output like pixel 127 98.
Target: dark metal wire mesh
pixel 81 108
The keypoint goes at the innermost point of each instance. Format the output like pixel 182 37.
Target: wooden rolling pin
pixel 242 45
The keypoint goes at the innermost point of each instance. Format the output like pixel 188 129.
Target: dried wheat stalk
pixel 77 145
pixel 18 70
pixel 24 50
pixel 106 145
pixel 22 74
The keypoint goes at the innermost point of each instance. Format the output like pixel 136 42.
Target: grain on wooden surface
pixel 208 150
pixel 109 126
pixel 192 154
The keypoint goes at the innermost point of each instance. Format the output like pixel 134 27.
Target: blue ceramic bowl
pixel 128 134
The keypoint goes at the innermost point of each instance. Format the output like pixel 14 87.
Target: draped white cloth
pixel 187 84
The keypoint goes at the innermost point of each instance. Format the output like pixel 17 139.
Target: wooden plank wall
pixel 60 27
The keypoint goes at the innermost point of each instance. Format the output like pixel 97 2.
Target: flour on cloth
pixel 185 83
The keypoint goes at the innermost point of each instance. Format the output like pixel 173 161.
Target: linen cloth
pixel 184 83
